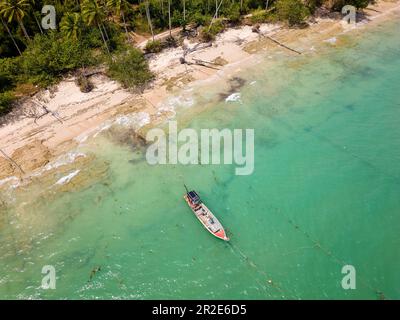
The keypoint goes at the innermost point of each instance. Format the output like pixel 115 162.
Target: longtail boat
pixel 207 219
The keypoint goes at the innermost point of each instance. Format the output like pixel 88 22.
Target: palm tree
pixel 15 10
pixel 35 16
pixel 149 19
pixel 11 36
pixel 217 6
pixel 37 22
pixel 92 14
pixel 71 25
pixel 119 7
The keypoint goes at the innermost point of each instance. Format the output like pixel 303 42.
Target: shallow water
pixel 324 193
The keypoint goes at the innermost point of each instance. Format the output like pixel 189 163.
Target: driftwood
pixel 12 161
pixel 209 62
pixel 372 10
pixel 197 62
pixel 256 29
pixel 198 46
pixel 92 73
pixel 46 111
pixel 281 44
pixel 203 64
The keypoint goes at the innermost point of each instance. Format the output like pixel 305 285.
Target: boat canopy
pixel 194 197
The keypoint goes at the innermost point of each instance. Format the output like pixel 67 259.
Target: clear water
pixel 324 193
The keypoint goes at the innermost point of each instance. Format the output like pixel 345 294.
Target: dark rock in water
pixel 349 107
pixel 126 137
pixel 138 139
pixel 94 271
pixel 235 84
pixel 135 161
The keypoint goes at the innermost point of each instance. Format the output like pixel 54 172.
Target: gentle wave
pixel 13 181
pixel 68 158
pixel 234 97
pixel 67 178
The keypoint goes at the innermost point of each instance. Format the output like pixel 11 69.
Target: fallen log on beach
pixel 198 62
pixel 281 44
pixel 256 29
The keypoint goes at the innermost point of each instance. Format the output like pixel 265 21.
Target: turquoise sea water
pixel 324 193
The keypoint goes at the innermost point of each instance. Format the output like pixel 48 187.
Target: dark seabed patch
pixel 235 84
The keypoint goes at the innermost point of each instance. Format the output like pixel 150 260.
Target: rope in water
pixel 251 263
pixel 363 161
pixel 327 252
pixel 340 148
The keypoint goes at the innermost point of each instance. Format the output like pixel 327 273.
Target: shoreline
pixel 35 146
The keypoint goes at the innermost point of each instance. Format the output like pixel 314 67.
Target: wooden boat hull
pixel 204 215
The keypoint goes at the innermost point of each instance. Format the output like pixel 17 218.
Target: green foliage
pixel 130 68
pixel 9 67
pixel 292 11
pixel 153 46
pixel 312 5
pixel 259 16
pixel 91 31
pixel 6 99
pixel 209 33
pixel 71 25
pixel 233 13
pixel 92 38
pixel 50 56
pixel 92 12
pixel 170 42
pixel 200 19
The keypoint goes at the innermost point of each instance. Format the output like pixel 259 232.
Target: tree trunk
pixel 37 22
pixel 184 10
pixel 216 14
pixel 126 29
pixel 21 24
pixel 11 36
pixel 169 18
pixel 149 19
pixel 105 32
pixel 266 5
pixel 102 36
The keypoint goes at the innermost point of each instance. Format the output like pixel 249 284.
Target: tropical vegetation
pixel 101 32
